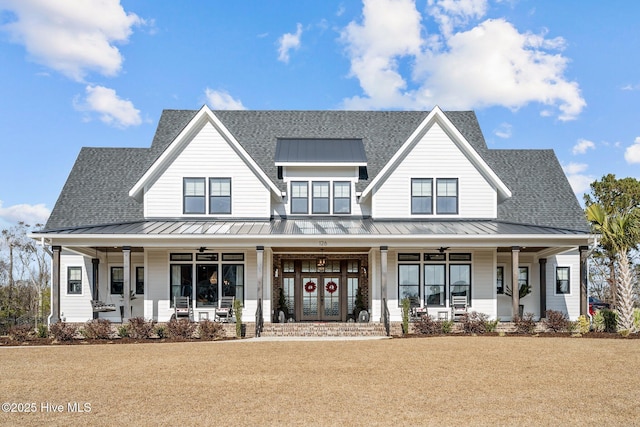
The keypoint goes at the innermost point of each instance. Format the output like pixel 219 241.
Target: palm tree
pixel 621 231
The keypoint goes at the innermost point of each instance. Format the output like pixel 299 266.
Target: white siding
pixel 435 156
pixel 75 307
pixel 483 289
pixel 208 155
pixel 569 303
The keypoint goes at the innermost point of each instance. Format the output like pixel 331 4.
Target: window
pixel 523 277
pixel 233 280
pixel 320 198
pixel 408 282
pixel 180 281
pixel 74 280
pixel 299 197
pixel 139 280
pixel 117 280
pixel 434 285
pixel 341 197
pixel 194 196
pixel 421 196
pixel 562 280
pixel 207 285
pixel 500 280
pixel 460 280
pixel 220 195
pixel 447 196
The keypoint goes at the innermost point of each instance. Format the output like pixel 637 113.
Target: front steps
pixel 321 329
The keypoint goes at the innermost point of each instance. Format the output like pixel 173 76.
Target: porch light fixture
pixel 321 262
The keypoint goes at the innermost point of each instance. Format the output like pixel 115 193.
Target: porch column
pixel 95 287
pixel 259 267
pixel 543 287
pixel 126 288
pixel 383 277
pixel 55 286
pixel 584 305
pixel 515 288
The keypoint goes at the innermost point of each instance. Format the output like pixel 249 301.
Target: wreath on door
pixel 310 286
pixel 331 287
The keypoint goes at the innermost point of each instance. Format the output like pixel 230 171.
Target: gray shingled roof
pixel 96 191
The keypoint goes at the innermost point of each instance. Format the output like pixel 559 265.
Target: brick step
pixel 315 329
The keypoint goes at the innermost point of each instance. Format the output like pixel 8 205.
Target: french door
pixel 320 297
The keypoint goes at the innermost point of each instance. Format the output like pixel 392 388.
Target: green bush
pixel 583 324
pixel 62 331
pixel 43 331
pixel 161 331
pixel 447 326
pixel 610 320
pixel 140 328
pixel 123 331
pixel 97 329
pixel 237 310
pixel 406 306
pixel 491 325
pixel 598 321
pixel 636 319
pixel 208 330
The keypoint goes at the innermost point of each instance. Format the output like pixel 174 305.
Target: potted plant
pixel 523 291
pixel 282 306
pixel 358 304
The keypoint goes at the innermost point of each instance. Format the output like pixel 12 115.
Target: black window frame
pixel 469 286
pixel 337 199
pixel 139 285
pixel 410 285
pixel 317 199
pixel 443 265
pixel 439 198
pixel 213 198
pixel 186 197
pixel 293 198
pixel 113 283
pixel 568 280
pixel 416 198
pixel 500 280
pixel 74 286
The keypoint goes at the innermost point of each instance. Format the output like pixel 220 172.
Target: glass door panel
pixel 310 297
pixel 331 300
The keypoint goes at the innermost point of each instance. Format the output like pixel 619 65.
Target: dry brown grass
pixel 434 381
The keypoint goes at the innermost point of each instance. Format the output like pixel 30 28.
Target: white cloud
pixel 221 100
pixel 72 36
pixel 490 64
pixel 29 214
pixel 632 153
pixel 582 146
pixel 111 109
pixel 503 131
pixel 579 181
pixel 287 42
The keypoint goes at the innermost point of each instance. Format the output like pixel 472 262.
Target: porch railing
pixel 385 317
pixel 259 318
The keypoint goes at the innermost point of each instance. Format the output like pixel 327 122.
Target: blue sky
pixel 539 74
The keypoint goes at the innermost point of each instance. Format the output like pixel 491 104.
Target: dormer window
pixel 320 197
pixel 220 195
pixel 447 196
pixel 194 195
pixel 299 197
pixel 342 197
pixel 422 196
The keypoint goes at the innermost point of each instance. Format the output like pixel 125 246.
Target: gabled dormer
pixel 435 174
pixel 320 175
pixel 205 173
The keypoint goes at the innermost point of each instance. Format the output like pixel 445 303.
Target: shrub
pixel 43 331
pixel 237 310
pixel 406 306
pixel 97 329
pixel 491 325
pixel 63 331
pixel 474 322
pixel 610 320
pixel 20 333
pixel 427 326
pixel 140 328
pixel 181 328
pixel 583 324
pixel 525 324
pixel 447 326
pixel 123 331
pixel 598 321
pixel 556 321
pixel 161 331
pixel 636 319
pixel 208 330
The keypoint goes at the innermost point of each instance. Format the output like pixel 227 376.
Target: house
pixel 323 206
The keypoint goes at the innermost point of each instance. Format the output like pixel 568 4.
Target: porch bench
pixel 99 306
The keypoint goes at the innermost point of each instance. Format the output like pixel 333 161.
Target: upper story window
pixel 341 197
pixel 299 197
pixel 447 196
pixel 320 197
pixel 194 195
pixel 220 195
pixel 421 196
